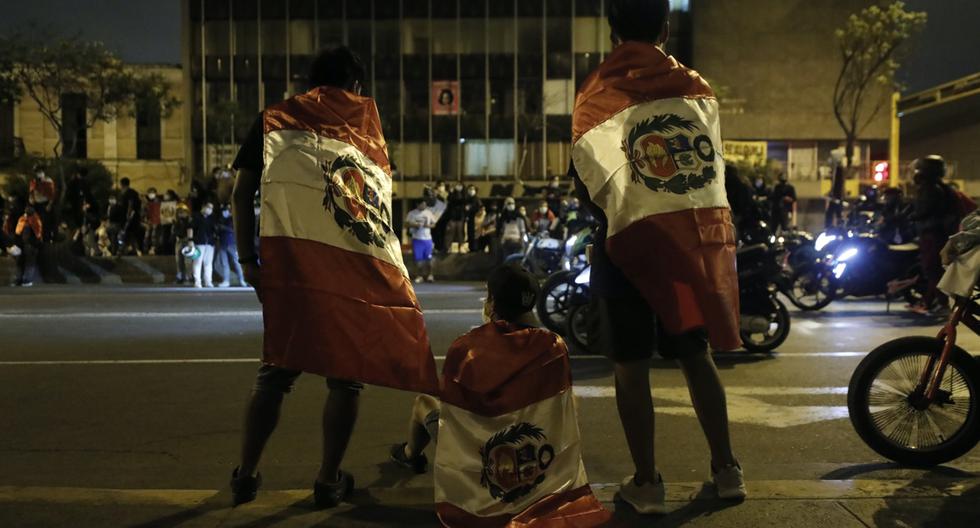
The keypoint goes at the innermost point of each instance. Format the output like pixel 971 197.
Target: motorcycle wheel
pixel 581 332
pixel 811 289
pixel 553 303
pixel 779 324
pixel 879 403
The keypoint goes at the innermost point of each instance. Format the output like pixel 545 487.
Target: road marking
pixel 180 315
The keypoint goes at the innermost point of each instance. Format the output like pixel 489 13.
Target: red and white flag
pixel 509 451
pixel 647 145
pixel 336 297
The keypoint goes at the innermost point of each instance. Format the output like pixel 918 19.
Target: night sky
pixel 148 31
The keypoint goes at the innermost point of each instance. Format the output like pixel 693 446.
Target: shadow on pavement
pixel 218 501
pixel 951 512
pixel 850 472
pixel 703 505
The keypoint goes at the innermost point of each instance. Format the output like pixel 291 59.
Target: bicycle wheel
pixel 882 403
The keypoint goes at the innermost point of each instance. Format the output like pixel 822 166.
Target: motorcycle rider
pixel 935 220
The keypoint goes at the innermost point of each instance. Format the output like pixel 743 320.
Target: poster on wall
pixel 445 97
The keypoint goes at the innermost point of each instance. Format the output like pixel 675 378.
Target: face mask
pixel 112 201
pixel 543 210
pixel 459 188
pixel 151 196
pixel 472 192
pixel 39 174
pixel 509 208
pixel 207 211
pixel 226 213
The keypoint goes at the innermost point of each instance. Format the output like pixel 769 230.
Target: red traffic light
pixel 880 172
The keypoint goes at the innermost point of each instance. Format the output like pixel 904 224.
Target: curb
pixel 104 276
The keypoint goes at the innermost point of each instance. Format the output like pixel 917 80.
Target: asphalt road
pixel 143 389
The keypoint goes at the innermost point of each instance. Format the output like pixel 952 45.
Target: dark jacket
pixel 204 229
pixel 934 211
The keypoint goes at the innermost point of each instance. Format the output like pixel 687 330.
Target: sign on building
pixel 748 152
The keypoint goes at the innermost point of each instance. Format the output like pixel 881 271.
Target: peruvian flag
pixel 647 145
pixel 336 297
pixel 509 451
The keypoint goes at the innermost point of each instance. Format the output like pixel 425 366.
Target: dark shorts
pixel 630 331
pixel 277 379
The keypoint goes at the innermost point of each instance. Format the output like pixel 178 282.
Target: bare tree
pixel 872 44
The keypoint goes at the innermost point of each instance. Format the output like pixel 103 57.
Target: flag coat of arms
pixel 647 145
pixel 509 452
pixel 336 297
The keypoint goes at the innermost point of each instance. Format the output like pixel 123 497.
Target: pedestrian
pixel 505 382
pixel 543 220
pixel 512 228
pixel 456 220
pixel 115 224
pixel 336 298
pixel 935 217
pixel 224 181
pixel 834 215
pixel 227 249
pixel 87 233
pixel 182 226
pixel 663 267
pixel 152 221
pixel 131 235
pixel 487 232
pixel 554 195
pixel 473 205
pixel 202 235
pixel 77 193
pixel 745 211
pixel 420 222
pixel 42 194
pixel 783 202
pixel 168 215
pixel 29 234
pixel 478 238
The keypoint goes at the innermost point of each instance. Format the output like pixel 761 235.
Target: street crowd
pixel 196 229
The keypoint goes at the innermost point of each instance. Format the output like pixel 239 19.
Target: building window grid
pixel 434 150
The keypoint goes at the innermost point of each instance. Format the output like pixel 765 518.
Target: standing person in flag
pixel 329 269
pixel 509 451
pixel 646 158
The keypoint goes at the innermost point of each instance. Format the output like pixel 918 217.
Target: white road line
pixel 182 315
pixel 608 391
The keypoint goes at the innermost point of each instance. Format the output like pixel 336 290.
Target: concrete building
pixel 148 149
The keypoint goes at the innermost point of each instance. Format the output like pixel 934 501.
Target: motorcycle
pixel 542 256
pixel 916 400
pixel 765 320
pixel 553 302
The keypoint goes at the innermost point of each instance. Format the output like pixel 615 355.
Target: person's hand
pixel 253 276
pixel 948 253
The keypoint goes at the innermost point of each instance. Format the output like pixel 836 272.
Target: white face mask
pixel 207 211
pixel 509 208
pixel 152 196
pixel 543 210
pixel 226 213
pixel 472 192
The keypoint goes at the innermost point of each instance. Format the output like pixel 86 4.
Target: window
pixel 73 136
pixel 148 130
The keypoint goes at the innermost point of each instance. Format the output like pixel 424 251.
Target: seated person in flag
pixel 508 447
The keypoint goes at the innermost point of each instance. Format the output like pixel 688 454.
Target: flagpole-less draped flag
pixel 509 451
pixel 647 145
pixel 336 297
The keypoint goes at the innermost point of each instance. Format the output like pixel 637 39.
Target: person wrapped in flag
pixel 508 450
pixel 646 159
pixel 329 269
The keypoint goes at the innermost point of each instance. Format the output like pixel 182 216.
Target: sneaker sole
pixel 649 510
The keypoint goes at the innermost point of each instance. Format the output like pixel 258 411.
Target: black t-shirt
pixel 250 154
pixel 204 229
pixel 131 201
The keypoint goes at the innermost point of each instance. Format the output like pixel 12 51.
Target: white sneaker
pixel 418 280
pixel 646 499
pixel 729 482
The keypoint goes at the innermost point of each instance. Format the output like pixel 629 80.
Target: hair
pixel 513 292
pixel 338 67
pixel 642 20
pixel 932 167
pixel 124 182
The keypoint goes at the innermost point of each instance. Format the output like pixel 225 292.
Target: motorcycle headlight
pixel 823 240
pixel 570 243
pixel 585 277
pixel 848 254
pixel 839 269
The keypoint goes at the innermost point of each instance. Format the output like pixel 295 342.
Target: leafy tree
pixel 44 68
pixel 872 44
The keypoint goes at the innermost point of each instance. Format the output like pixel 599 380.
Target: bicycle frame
pixel 964 311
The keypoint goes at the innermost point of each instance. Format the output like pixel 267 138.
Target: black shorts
pixel 630 331
pixel 271 378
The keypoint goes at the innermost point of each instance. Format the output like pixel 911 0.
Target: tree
pixel 46 68
pixel 872 45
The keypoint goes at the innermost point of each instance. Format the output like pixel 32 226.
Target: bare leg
pixel 418 436
pixel 635 405
pixel 708 397
pixel 339 416
pixel 261 417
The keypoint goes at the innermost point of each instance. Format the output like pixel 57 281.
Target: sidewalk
pixel 946 503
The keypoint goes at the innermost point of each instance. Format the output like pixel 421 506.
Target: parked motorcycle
pixel 553 302
pixel 542 256
pixel 765 320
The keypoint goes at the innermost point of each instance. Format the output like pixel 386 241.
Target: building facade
pixel 149 149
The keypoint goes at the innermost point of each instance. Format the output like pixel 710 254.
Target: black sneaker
pixel 417 463
pixel 244 489
pixel 329 495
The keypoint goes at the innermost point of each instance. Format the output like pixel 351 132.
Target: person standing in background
pixel 153 220
pixel 77 193
pixel 512 227
pixel 783 204
pixel 456 220
pixel 132 230
pixel 181 228
pixel 227 249
pixel 202 236
pixel 168 215
pixel 30 235
pixel 42 194
pixel 473 205
pixel 420 222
